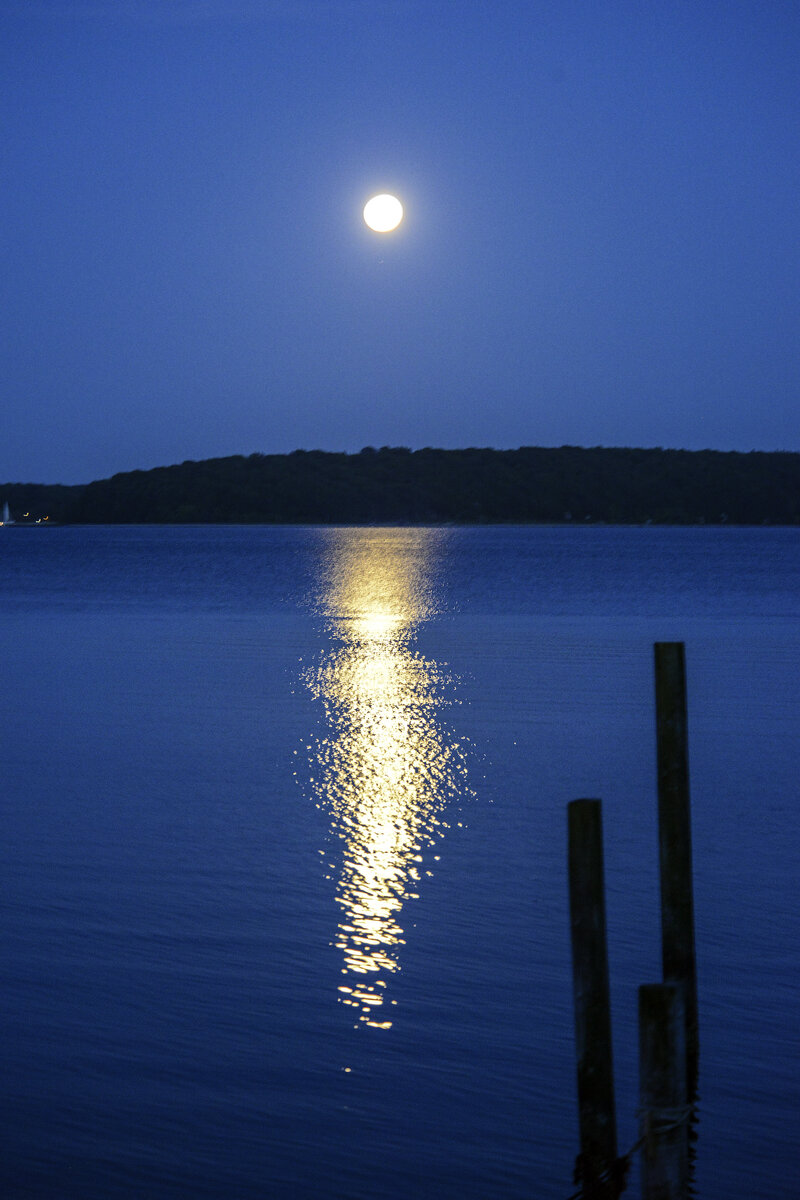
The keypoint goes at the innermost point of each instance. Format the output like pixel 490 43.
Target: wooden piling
pixel 675 840
pixel 598 1130
pixel 663 1096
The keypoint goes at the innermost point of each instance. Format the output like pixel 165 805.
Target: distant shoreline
pixel 568 485
pixel 417 525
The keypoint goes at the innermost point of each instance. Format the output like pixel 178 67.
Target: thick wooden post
pixel 662 1087
pixel 598 1128
pixel 675 839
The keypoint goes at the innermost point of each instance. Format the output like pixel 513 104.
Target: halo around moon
pixel 383 213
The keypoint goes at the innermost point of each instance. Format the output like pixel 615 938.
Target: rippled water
pixel 386 770
pixel 284 857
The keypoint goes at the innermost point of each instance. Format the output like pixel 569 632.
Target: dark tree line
pixel 396 485
pixel 29 501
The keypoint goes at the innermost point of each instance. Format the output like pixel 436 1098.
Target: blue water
pixel 283 863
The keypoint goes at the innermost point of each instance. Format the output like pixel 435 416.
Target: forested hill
pixel 396 485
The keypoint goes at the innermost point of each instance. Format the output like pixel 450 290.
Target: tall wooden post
pixel 598 1128
pixel 675 839
pixel 662 1087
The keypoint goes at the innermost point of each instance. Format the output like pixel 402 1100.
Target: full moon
pixel 383 213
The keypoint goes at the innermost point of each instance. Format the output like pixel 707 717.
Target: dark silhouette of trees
pixel 396 485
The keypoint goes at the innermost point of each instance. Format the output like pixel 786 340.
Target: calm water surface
pixel 285 907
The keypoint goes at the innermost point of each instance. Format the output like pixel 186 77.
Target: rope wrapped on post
pixel 654 1122
pixel 658 1121
pixel 608 1183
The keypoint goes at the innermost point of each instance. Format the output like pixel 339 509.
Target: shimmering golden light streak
pixel 388 768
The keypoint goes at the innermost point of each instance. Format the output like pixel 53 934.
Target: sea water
pixel 284 852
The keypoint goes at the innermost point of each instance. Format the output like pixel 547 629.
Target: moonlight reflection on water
pixel 389 769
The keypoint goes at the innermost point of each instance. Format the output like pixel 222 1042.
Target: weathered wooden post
pixel 675 840
pixel 598 1127
pixel 662 1090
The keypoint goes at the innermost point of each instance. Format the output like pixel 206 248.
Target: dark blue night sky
pixel 600 244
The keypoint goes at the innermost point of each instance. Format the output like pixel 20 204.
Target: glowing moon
pixel 383 213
